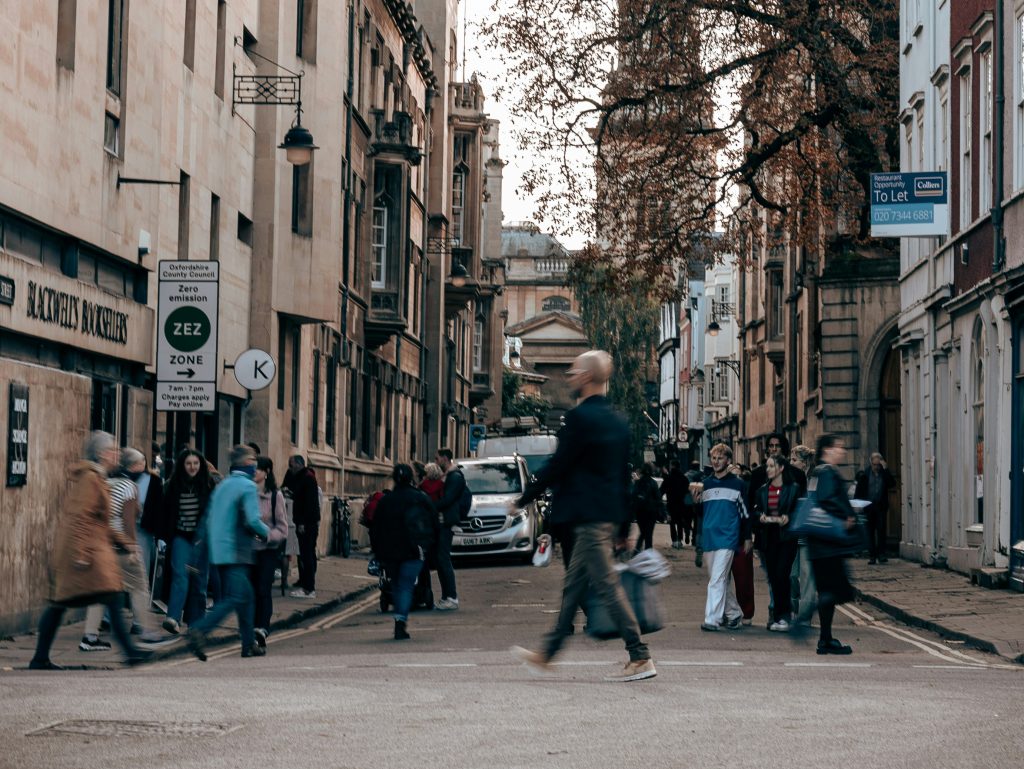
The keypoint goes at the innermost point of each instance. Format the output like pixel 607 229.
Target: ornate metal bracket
pixel 441 245
pixel 267 89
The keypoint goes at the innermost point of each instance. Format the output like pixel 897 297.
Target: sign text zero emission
pixel 186 352
pixel 910 204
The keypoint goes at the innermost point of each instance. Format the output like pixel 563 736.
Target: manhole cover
pixel 95 728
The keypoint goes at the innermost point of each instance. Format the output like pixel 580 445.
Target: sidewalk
pixel 338 581
pixel 944 602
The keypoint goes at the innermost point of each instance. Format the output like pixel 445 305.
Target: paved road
pixel 337 692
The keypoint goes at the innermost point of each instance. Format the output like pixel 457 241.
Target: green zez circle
pixel 187 329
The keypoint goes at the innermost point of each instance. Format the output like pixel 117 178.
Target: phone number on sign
pixel 894 216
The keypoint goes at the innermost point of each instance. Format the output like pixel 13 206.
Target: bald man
pixel 590 479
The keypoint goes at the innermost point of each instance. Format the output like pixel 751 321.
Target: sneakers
pixel 535 662
pixel 447 604
pixel 300 593
pixel 833 646
pixel 779 626
pixel 254 651
pixel 748 621
pixel 260 635
pixel 197 644
pixel 734 623
pixel 634 670
pixel 400 632
pixel 708 627
pixel 91 643
pixel 171 626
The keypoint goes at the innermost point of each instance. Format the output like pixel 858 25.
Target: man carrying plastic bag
pixel 640 577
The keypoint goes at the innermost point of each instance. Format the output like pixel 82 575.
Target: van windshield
pixel 499 478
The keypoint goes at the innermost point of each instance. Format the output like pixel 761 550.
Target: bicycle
pixel 341 527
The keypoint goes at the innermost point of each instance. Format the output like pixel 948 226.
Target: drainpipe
pixel 346 185
pixel 999 244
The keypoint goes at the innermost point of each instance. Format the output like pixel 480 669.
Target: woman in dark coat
pixel 775 503
pixel 828 561
pixel 402 533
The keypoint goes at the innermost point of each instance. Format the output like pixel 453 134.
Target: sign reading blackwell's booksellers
pixel 17 435
pixel 909 205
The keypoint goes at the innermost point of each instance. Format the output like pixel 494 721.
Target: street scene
pixel 511 382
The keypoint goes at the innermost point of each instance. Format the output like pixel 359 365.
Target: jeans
pixel 721 602
pixel 307 557
pixel 51 620
pixel 263 585
pixel 591 567
pixel 645 539
pixel 238 598
pixel 188 585
pixel 402 586
pixel 779 555
pixel 445 570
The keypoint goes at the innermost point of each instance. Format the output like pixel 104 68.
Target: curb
pixel 293 619
pixel 992 647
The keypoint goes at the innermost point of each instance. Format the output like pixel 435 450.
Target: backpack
pixel 369 508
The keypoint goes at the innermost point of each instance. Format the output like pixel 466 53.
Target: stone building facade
pixel 132 148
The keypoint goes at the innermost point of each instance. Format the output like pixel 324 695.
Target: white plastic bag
pixel 647 564
pixel 542 556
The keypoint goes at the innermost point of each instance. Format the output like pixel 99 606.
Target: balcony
pixel 481 389
pixel 383 319
pixel 456 297
pixel 394 137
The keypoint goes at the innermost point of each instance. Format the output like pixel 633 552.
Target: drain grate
pixel 94 728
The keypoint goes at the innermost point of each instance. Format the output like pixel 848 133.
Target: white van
pixel 535 448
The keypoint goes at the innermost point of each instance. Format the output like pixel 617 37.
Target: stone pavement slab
pixel 945 602
pixel 339 581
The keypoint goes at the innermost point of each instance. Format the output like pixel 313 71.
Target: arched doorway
pixel 890 441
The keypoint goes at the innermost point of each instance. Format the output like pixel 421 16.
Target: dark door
pixel 890 442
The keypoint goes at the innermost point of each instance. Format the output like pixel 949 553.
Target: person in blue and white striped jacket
pixel 726 528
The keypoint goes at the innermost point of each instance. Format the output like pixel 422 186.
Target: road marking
pixel 676 663
pixel 517 605
pixel 954 667
pixel 828 664
pixel 431 665
pixel 584 663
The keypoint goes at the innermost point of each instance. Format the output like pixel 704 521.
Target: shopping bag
pixel 813 521
pixel 643 595
pixel 542 556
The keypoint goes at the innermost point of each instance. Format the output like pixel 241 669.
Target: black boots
pixel 400 634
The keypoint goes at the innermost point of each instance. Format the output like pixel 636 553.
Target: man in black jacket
pixel 873 485
pixel 450 509
pixel 300 483
pixel 590 479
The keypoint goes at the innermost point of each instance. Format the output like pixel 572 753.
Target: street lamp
pixel 459 275
pixel 713 328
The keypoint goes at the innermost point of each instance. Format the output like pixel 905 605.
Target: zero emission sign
pixel 909 205
pixel 186 351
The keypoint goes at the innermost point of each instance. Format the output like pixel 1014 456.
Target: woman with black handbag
pixel 828 558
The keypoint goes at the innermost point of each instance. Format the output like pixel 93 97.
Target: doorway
pixel 1017 460
pixel 890 443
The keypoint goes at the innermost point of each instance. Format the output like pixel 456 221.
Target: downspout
pixel 428 109
pixel 346 185
pixel 999 244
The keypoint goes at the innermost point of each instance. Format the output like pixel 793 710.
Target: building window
pixel 214 227
pixel 478 345
pixel 777 303
pixel 296 333
pixel 67 11
pixel 965 149
pixel 985 172
pixel 244 229
pixel 302 199
pixel 331 411
pixel 379 243
pixel 458 205
pixel 112 134
pixel 305 30
pixel 115 44
pixel 315 418
pixel 908 136
pixel 189 55
pixel 183 214
pixel 556 304
pixel 979 420
pixel 943 128
pixel 222 34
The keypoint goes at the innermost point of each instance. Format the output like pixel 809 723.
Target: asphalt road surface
pixel 338 692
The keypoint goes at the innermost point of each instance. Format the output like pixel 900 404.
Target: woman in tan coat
pixel 87 570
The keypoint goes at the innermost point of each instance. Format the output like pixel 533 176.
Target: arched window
pixel 553 303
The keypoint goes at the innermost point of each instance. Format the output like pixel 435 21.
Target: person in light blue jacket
pixel 232 520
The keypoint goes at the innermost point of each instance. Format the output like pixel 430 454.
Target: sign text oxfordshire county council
pixel 909 204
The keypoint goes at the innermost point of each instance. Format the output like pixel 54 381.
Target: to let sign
pixel 17 436
pixel 186 364
pixel 909 205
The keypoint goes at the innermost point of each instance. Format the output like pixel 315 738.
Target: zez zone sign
pixel 17 436
pixel 186 363
pixel 909 205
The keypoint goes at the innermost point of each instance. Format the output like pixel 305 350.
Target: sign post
pixel 186 351
pixel 909 205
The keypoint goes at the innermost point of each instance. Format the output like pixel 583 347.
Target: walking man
pixel 451 508
pixel 233 520
pixel 590 478
pixel 300 482
pixel 873 485
pixel 675 489
pixel 726 531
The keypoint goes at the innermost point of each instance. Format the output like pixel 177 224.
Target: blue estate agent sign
pixel 909 205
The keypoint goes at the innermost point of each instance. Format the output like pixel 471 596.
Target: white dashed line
pixel 828 664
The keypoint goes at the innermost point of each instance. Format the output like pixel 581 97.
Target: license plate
pixel 468 541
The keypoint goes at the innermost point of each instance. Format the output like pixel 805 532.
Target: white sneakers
pixel 780 626
pixel 447 604
pixel 300 593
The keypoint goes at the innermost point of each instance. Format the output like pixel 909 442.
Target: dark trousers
pixel 779 555
pixel 307 557
pixel 237 597
pixel 445 570
pixel 51 620
pixel 591 567
pixel 876 531
pixel 562 532
pixel 743 576
pixel 262 575
pixel 645 539
pixel 681 524
pixel 834 588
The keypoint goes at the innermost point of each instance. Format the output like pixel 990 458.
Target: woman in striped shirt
pixel 776 503
pixel 185 500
